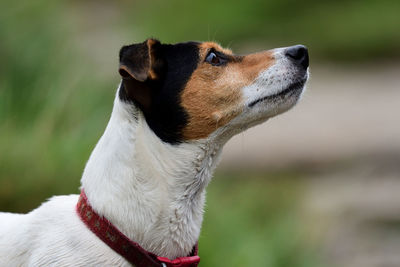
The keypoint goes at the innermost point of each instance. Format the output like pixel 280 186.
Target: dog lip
pixel 293 87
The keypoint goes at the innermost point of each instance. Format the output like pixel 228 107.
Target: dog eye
pixel 214 59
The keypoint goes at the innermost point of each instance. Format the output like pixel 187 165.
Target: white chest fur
pixel 152 191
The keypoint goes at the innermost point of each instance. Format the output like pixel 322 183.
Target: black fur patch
pixel 165 116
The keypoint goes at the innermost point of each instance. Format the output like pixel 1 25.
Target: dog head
pixel 189 91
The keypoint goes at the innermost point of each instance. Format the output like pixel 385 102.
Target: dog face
pixel 188 91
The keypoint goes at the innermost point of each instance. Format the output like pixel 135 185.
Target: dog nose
pixel 298 54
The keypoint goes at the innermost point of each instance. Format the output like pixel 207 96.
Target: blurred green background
pixel 58 79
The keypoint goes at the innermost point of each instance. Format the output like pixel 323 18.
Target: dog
pixel 175 108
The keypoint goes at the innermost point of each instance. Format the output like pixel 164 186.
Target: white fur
pixel 151 191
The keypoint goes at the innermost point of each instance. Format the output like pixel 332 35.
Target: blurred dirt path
pixel 345 113
pixel 354 214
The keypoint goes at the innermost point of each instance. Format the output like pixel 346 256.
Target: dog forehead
pixel 181 50
pixel 181 60
pixel 192 49
pixel 205 47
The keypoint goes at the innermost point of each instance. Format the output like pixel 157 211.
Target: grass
pixel 252 220
pixel 49 111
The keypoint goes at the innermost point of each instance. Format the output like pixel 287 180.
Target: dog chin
pixel 267 107
pixel 292 90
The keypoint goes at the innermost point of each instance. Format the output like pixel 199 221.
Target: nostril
pixel 298 54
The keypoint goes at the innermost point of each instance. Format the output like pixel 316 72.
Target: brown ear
pixel 140 63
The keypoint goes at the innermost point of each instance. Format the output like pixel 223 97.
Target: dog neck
pixel 152 191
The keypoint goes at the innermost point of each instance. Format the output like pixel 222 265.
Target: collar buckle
pixel 191 261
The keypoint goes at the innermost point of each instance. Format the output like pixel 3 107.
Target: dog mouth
pixel 290 90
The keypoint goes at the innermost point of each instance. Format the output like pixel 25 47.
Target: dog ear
pixel 140 64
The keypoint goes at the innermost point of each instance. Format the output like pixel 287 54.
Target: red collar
pixel 121 244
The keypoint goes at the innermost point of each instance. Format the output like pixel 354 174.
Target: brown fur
pixel 212 97
pixel 152 73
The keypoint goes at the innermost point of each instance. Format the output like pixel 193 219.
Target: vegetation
pixel 253 219
pixel 334 30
